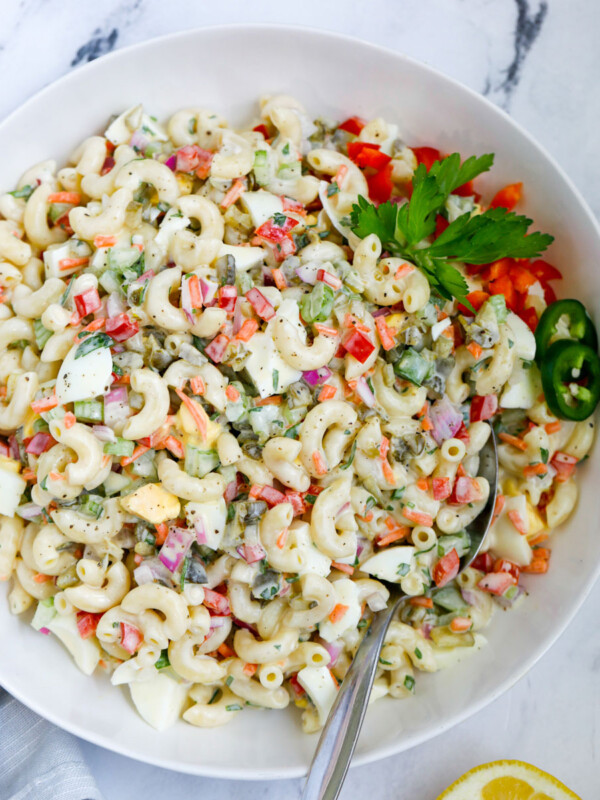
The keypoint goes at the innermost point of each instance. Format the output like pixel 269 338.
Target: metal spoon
pixel 340 734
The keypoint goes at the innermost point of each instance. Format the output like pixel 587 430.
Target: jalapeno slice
pixel 580 326
pixel 571 379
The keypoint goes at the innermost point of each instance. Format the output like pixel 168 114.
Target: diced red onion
pixel 426 629
pixel 40 442
pixel 307 274
pixel 118 348
pixel 209 291
pixel 177 543
pixel 200 530
pixel 115 304
pixel 446 420
pixel 251 553
pixel 334 649
pixel 138 141
pixel 103 433
pixel 238 318
pixel 508 602
pixel 171 163
pixel 143 574
pixel 316 376
pixel 45 631
pixel 29 511
pixel 241 624
pixel 382 312
pixel 343 509
pixel 364 392
pixel 218 622
pixel 151 569
pixel 116 395
pixel 13 446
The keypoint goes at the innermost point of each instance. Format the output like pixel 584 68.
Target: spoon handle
pixel 340 734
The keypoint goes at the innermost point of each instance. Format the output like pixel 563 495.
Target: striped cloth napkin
pixel 39 761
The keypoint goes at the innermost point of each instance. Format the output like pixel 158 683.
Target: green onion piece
pixel 93 342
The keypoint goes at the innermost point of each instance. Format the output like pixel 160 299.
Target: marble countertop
pixel 539 61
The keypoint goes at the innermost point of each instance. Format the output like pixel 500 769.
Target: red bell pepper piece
pixel 483 562
pixel 87 302
pixel 216 349
pixel 521 278
pixel 504 565
pixel 505 287
pixel 272 232
pixel 442 488
pixel 530 318
pixel 121 327
pixel 483 407
pixel 216 602
pixel 87 623
pixel 271 496
pixel 441 223
pixel 365 154
pixel 498 269
pixel 564 464
pixel 496 582
pixel 261 129
pixel 131 638
pixel 477 299
pixel 380 185
pixel 446 568
pixel 37 444
pixel 227 298
pixel 191 157
pixel 297 502
pixel 260 304
pixel 544 271
pixel 463 434
pixel 353 125
pixel 426 155
pixel 466 490
pixel 358 345
pixel 508 197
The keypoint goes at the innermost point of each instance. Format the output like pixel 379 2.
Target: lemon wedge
pixel 507 780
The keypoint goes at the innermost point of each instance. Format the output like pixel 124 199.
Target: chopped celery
pixel 449 598
pixel 122 447
pixel 89 410
pixel 413 367
pixel 44 613
pixel 316 306
pixel 199 463
pixel 115 483
pixel 445 637
pixel 261 167
pixel 498 303
pixel 42 334
pixel 144 465
pixel 40 425
pixel 91 505
pixel 461 542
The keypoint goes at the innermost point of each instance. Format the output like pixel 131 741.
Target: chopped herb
pixel 348 463
pixel 275 379
pixel 383 661
pixel 163 661
pixel 233 707
pixel 409 683
pixel 293 432
pixel 332 189
pixel 545 455
pixel 403 570
pixel 93 342
pixel 310 498
pixel 279 219
pixel 24 192
pixel 229 680
pixel 418 653
pixel 397 493
pixel 214 697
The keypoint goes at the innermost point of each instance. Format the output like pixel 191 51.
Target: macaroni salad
pixel 245 378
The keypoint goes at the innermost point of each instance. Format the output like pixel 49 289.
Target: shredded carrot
pixel 72 263
pixel 518 521
pixel 279 278
pixel 138 246
pixel 162 530
pixel 105 241
pixel 340 175
pixel 347 568
pixel 423 412
pixel 384 447
pixel 250 669
pixel 195 291
pixel 398 533
pixel 3 391
pixel 327 393
pixel 514 440
pixel 199 415
pixel 552 427
pixel 232 393
pixel 541 537
pixel 334 679
pixel 225 651
pixel 324 330
pixel 420 517
pixel 71 198
pixel 29 475
pixel 350 321
pixel 280 542
pixel 45 404
pixel 422 484
pixel 421 602
pixel 475 349
pixel 537 567
pixel 198 385
pixel 69 419
pixel 426 424
pixel 461 624
pixel 367 517
pixel 94 325
pixel 338 612
pixel 542 552
pixel 385 334
pixel 272 400
pixel 174 446
pixel 39 577
pixel 247 331
pixel 498 506
pixel 534 469
pixel 403 270
pixel 138 451
pixel 319 463
pixel 234 194
pixel 388 472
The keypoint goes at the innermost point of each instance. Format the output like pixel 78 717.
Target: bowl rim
pixel 386 750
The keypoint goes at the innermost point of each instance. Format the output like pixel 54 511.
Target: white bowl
pixel 226 69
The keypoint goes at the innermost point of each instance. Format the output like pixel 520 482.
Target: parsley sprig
pixel 479 239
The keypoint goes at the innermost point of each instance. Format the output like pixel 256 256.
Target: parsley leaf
pixel 479 239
